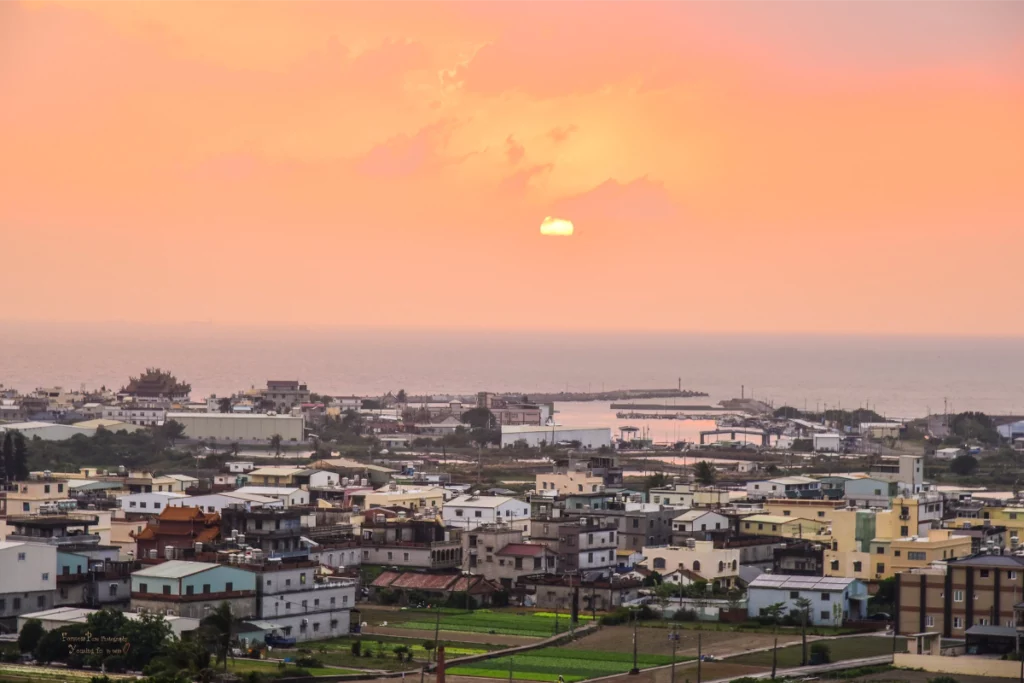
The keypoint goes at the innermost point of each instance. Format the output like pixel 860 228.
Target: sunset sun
pixel 556 227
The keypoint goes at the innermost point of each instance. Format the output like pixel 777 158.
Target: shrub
pixel 308 662
pixel 357 648
pixel 115 664
pixel 30 635
pixel 685 615
pixel 820 653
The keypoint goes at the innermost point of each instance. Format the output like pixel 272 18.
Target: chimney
pixel 440 663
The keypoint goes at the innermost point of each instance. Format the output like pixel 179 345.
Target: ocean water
pixel 897 376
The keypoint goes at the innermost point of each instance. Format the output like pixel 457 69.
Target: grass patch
pixel 15 672
pixel 242 666
pixel 338 652
pixel 550 662
pixel 841 649
pixel 748 627
pixel 530 624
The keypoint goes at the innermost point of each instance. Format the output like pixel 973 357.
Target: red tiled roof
pixel 182 514
pixel 385 579
pixel 416 580
pixel 523 549
pixel 473 584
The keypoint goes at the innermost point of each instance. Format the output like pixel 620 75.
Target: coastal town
pixel 300 528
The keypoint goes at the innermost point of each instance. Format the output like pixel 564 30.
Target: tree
pixel 480 418
pixel 218 627
pixel 275 443
pixel 371 404
pixel 774 612
pixel 705 474
pixel 804 606
pixel 172 430
pixel 787 413
pixel 20 457
pixel 8 456
pixel 31 633
pixel 821 653
pixel 401 397
pixel 224 404
pixel 656 481
pixel 963 465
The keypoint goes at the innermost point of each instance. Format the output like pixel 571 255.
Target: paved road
pixel 821 668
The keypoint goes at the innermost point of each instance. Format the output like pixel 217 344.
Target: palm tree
pixel 275 443
pixel 804 605
pixel 774 611
pixel 219 625
pixel 704 472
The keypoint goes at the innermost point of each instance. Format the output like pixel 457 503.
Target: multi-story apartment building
pixel 411 543
pixel 29 579
pixel 302 605
pixel 138 414
pixel 586 545
pixel 785 527
pixel 414 498
pixel 286 394
pixel 689 496
pixel 276 532
pixel 469 512
pixel 192 589
pixel 907 471
pixel 150 504
pixel 498 552
pixel 816 509
pixel 949 599
pixel 26 497
pixel 784 487
pixel 638 524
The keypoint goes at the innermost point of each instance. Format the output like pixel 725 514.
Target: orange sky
pixel 784 167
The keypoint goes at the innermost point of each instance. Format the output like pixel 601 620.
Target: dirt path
pixel 654 641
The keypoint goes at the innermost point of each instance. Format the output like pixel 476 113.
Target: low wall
pixel 966 666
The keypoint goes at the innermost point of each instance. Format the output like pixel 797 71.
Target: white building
pixel 302 608
pixel 64 616
pixel 148 503
pixel 833 599
pixel 948 453
pixel 699 520
pixel 139 415
pixel 241 467
pixel 827 442
pixel 215 502
pixel 29 583
pixel 239 427
pixel 469 512
pixel 781 487
pixel 589 439
pixel 288 495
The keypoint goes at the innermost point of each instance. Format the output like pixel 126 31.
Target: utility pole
pixel 437 628
pixel 636 669
pixel 510 669
pixel 700 654
pixel 674 637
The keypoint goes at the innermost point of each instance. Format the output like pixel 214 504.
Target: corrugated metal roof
pixel 175 569
pixel 807 583
pixel 385 579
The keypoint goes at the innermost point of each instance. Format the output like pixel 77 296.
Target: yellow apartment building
pixel 275 475
pixel 787 527
pixel 567 483
pixel 821 510
pixel 715 565
pixel 411 497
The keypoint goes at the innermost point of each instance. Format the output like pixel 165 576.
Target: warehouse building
pixel 589 438
pixel 240 427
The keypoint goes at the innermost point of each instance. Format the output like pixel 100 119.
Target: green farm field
pixel 549 663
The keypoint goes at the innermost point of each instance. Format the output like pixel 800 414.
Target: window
pixel 142 504
pixel 1012 576
pixel 958 596
pixel 228 587
pixel 880 550
pixel 458 513
pixel 46 488
pixel 794 595
pixel 302 578
pixel 316 626
pixel 332 601
pixel 167 590
pixel 904 531
pixel 16 603
pixel 835 565
pixel 880 568
pixel 143 588
pixel 696 566
pixel 825 614
pixel 405 556
pixel 3 605
pixel 785 513
pixel 113 590
pixel 156 506
pixel 206 588
pixel 21 557
pixel 659 563
pixel 984 575
pixel 478 513
pixel 25 507
pixel 821 513
pixel 40 601
pixel 921 556
pixel 60 488
pixel 825 597
pixel 983 621
pixel 929 621
pixel 896 553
